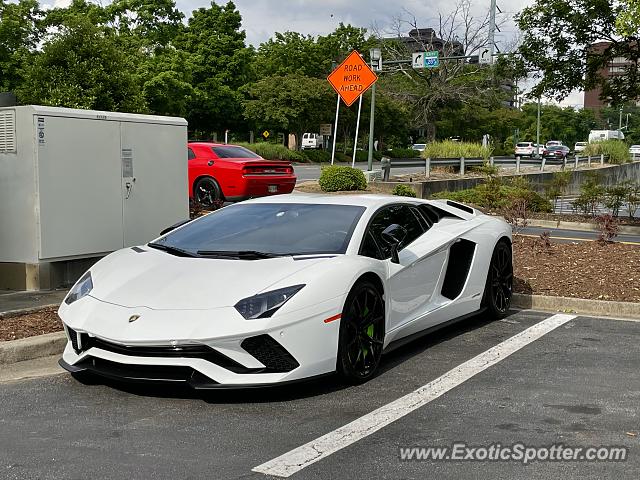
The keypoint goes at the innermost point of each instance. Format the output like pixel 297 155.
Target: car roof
pixel 369 201
pixel 211 144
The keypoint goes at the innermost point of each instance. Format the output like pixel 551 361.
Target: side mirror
pixel 394 235
pixel 173 227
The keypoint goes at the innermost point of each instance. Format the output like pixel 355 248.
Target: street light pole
pixel 375 56
pixel 538 131
pixel 620 123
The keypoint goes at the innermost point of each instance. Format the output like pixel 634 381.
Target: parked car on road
pixel 634 150
pixel 230 172
pixel 525 149
pixel 580 146
pixel 311 141
pixel 556 151
pixel 553 143
pixel 419 147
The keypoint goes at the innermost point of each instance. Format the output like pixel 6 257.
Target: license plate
pixel 272 188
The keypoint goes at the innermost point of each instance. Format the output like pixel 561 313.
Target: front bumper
pixel 266 352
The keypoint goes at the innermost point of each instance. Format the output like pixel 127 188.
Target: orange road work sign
pixel 352 78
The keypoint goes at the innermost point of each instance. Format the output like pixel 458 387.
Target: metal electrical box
pixel 79 183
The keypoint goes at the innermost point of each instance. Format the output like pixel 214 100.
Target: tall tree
pixel 292 52
pixel 152 24
pixel 221 65
pixel 292 103
pixel 557 46
pixel 455 82
pixel 81 65
pixel 20 33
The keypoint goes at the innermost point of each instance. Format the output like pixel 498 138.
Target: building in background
pixel 421 39
pixel 616 67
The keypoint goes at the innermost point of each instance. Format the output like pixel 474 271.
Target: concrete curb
pixel 577 305
pixel 579 226
pixel 26 311
pixel 32 347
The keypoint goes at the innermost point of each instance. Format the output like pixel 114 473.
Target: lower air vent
pixel 270 353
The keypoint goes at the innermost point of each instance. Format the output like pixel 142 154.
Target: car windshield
pixel 556 147
pixel 581 144
pixel 523 145
pixel 267 228
pixel 232 151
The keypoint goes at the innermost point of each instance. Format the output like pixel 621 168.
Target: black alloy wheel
pixel 207 192
pixel 361 333
pixel 499 287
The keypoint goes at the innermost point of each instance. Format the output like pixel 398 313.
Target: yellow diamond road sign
pixel 265 134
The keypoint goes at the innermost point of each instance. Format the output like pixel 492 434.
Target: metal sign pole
pixel 335 131
pixel 355 140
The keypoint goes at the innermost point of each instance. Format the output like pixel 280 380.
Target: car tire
pixel 498 289
pixel 207 192
pixel 362 329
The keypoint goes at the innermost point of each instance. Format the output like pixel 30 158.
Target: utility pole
pixel 375 57
pixel 538 131
pixel 492 29
pixel 620 123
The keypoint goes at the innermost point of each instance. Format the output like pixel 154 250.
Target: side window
pixel 400 214
pixel 370 247
pixel 191 154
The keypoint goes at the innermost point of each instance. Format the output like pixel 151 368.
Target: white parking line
pixel 301 457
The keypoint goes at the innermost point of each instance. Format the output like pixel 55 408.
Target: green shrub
pixel 341 157
pixel 483 196
pixel 403 191
pixel 617 150
pixel 402 153
pixel 449 149
pixel 317 156
pixel 363 155
pixel 274 151
pixel 337 178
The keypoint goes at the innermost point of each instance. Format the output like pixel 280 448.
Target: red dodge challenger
pixel 233 173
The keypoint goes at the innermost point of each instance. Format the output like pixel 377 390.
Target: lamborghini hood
pixel 151 278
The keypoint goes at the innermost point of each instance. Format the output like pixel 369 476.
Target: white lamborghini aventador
pixel 285 288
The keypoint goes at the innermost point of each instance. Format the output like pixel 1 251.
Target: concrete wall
pixel 609 175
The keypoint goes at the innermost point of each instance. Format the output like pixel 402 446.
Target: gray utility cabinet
pixel 76 184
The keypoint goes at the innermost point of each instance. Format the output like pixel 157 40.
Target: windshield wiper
pixel 173 250
pixel 241 254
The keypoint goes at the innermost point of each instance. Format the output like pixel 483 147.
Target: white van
pixel 601 135
pixel 311 141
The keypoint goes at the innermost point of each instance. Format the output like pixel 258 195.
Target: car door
pixel 412 281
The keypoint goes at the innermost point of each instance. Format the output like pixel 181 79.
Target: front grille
pixel 184 351
pixel 270 353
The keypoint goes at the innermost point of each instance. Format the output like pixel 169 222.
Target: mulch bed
pixel 38 323
pixel 589 270
pixel 583 270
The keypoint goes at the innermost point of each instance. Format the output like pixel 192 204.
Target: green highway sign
pixel 425 60
pixel 431 59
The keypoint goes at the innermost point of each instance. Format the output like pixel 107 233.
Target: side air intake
pixel 460 258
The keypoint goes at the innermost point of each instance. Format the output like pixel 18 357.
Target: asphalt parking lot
pixel 578 384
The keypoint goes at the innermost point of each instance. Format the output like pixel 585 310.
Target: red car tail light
pixel 267 170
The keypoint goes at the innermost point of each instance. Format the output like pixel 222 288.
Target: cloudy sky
pixel 262 18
